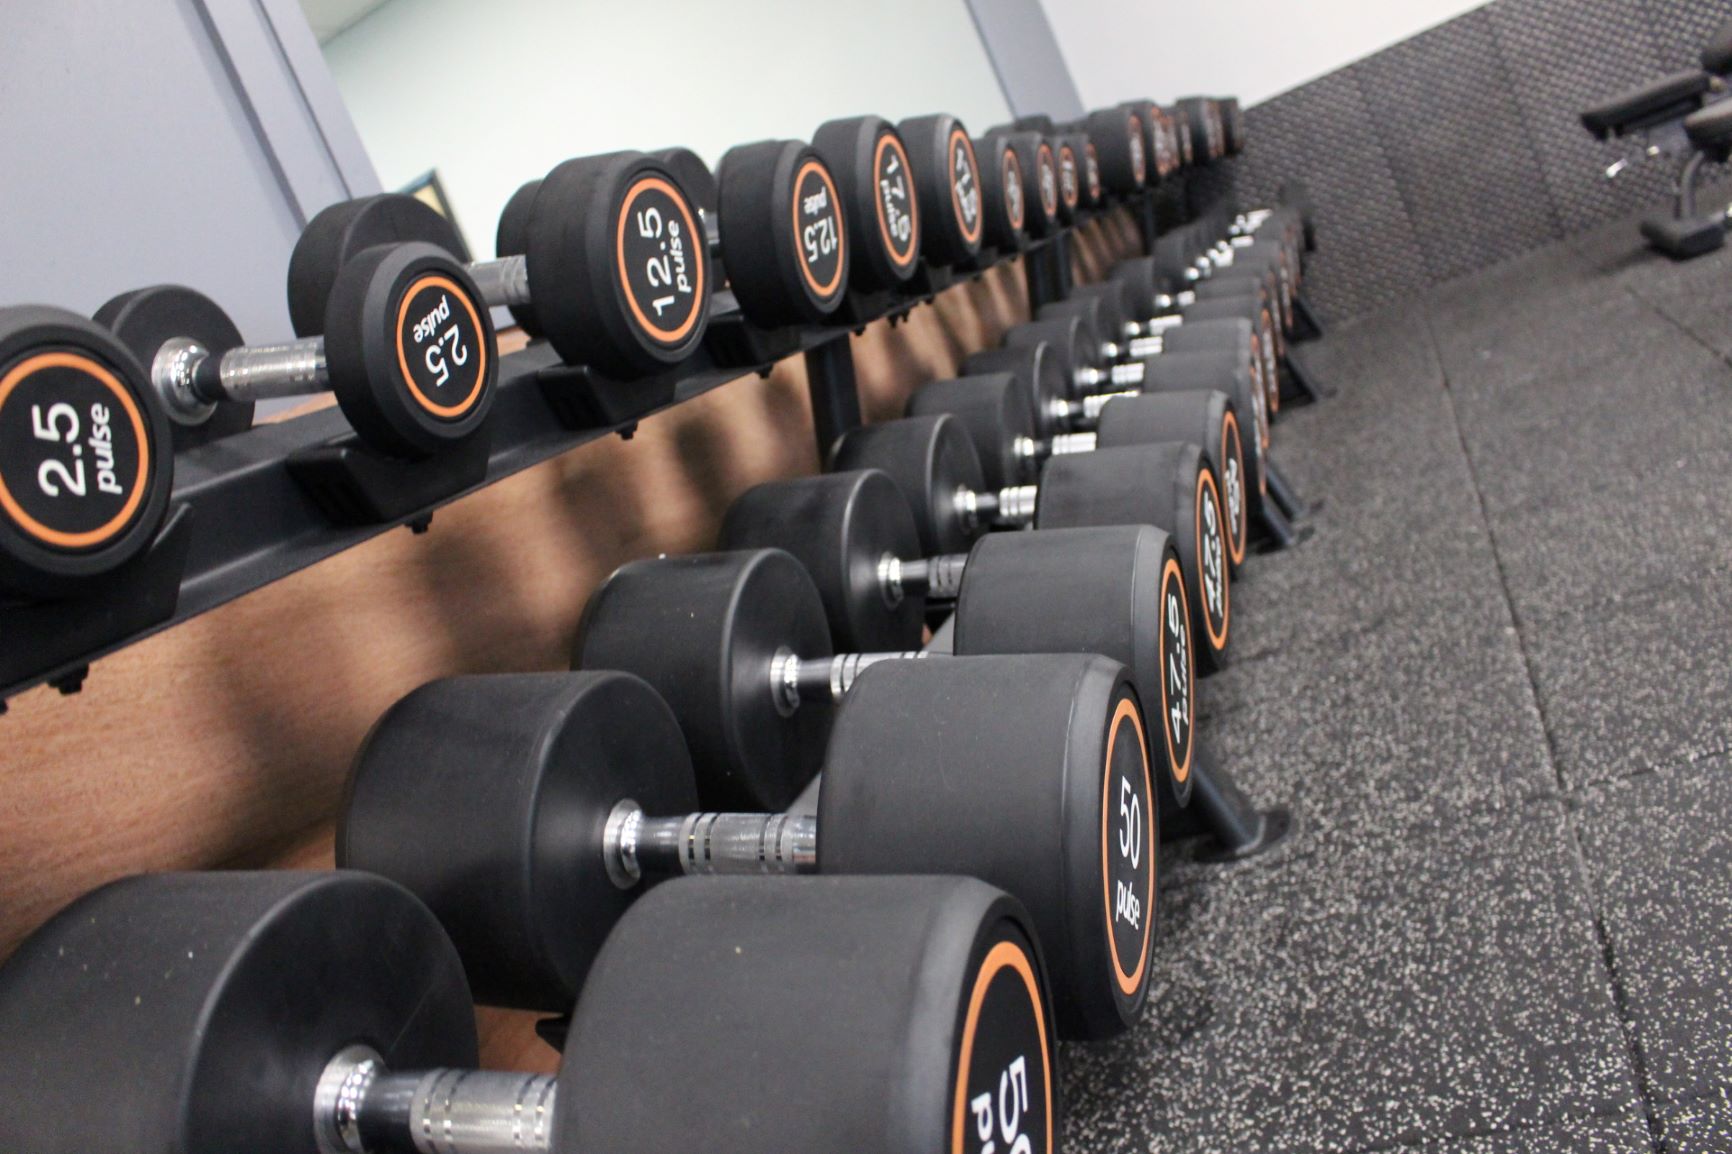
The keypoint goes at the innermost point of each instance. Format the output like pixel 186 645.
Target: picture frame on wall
pixel 428 189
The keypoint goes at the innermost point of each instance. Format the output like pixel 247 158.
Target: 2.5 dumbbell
pixel 531 811
pixel 86 463
pixel 407 348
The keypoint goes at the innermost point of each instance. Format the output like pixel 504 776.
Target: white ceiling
pixel 329 17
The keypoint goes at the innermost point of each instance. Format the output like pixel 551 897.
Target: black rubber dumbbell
pixel 1172 486
pixel 288 1012
pixel 879 197
pixel 994 412
pixel 1106 308
pixel 1005 197
pixel 1121 140
pixel 949 184
pixel 531 811
pixel 739 644
pixel 606 256
pixel 86 463
pixel 407 348
pixel 1226 369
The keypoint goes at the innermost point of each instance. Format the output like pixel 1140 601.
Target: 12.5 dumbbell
pixel 531 811
pixel 407 348
pixel 605 256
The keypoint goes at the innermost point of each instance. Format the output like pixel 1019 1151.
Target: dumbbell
pixel 993 410
pixel 1038 166
pixel 532 811
pixel 1121 139
pixel 1106 308
pixel 281 1012
pixel 86 463
pixel 1076 347
pixel 1184 136
pixel 1232 124
pixel 1004 199
pixel 1201 116
pixel 778 194
pixel 949 187
pixel 1160 141
pixel 408 349
pixel 855 536
pixel 870 162
pixel 739 645
pixel 932 461
pixel 605 256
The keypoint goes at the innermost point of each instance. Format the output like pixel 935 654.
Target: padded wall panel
pixel 1368 254
pixel 1456 140
pixel 1544 43
pixel 1461 147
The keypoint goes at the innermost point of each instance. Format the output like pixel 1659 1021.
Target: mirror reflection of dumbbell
pixel 328 1013
pixel 407 347
pixel 605 256
pixel 86 462
pixel 532 811
pixel 1173 487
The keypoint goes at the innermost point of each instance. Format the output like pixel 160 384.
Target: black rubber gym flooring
pixel 1496 688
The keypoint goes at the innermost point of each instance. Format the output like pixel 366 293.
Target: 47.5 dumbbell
pixel 531 812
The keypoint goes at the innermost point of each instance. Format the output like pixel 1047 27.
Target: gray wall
pixel 1461 147
pixel 169 141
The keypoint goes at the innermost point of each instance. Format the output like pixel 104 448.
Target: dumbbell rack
pixel 254 508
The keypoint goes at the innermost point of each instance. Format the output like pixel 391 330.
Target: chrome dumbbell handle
pixel 360 1107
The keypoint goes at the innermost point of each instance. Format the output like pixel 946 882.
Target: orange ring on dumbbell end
pixel 1128 983
pixel 115 525
pixel 443 412
pixel 1004 955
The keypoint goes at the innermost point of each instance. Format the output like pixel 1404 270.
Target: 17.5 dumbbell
pixel 932 460
pixel 739 644
pixel 327 1013
pixel 531 811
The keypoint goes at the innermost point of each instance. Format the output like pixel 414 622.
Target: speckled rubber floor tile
pixel 1659 848
pixel 1376 990
pixel 1637 681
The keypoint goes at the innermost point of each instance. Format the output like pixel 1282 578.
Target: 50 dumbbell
pixel 327 1013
